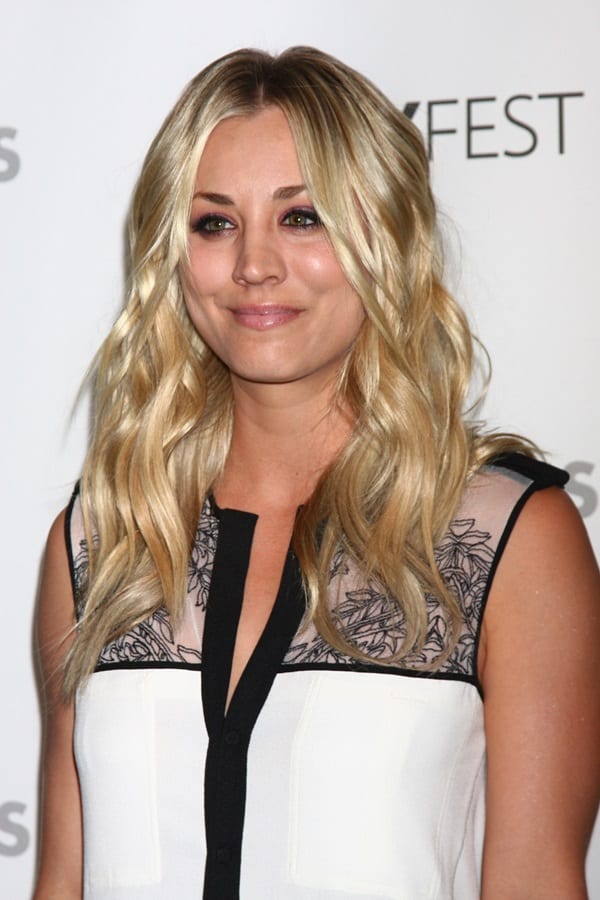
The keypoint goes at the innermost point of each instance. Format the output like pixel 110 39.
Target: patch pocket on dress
pixel 115 750
pixel 354 748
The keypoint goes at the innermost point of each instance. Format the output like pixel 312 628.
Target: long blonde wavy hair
pixel 163 412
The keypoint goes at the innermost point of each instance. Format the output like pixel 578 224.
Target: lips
pixel 261 318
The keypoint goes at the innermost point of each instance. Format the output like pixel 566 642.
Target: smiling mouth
pixel 261 318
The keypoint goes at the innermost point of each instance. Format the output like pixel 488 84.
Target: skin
pixel 264 289
pixel 540 671
pixel 60 870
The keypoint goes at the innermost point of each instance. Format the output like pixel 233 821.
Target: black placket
pixel 229 735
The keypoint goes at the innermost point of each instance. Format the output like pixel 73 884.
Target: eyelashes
pixel 299 219
pixel 212 224
pixel 302 218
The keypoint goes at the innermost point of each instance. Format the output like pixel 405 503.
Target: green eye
pixel 301 218
pixel 212 224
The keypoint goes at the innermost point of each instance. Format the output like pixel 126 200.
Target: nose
pixel 259 258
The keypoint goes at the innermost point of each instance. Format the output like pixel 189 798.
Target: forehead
pixel 252 146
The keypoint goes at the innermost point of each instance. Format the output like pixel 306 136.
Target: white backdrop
pixel 85 86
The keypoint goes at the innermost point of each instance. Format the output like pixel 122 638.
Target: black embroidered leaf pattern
pixel 312 652
pixel 154 640
pixel 150 640
pixel 368 619
pixel 80 570
pixel 375 625
pixel 202 556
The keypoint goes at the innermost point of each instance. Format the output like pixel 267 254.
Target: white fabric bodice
pixel 327 779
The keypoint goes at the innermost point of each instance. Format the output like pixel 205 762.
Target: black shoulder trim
pixel 542 473
pixel 68 541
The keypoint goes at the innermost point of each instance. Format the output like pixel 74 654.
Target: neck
pixel 284 437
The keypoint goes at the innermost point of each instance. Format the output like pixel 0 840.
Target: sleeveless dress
pixel 327 778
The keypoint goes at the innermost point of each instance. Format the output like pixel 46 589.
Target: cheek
pixel 323 269
pixel 207 273
pixel 356 315
pixel 323 273
pixel 196 297
pixel 190 295
pixel 327 278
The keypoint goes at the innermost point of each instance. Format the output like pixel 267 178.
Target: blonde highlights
pixel 163 413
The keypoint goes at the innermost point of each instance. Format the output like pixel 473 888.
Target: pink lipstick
pixel 263 317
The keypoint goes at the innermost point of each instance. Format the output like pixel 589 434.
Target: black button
pixel 223 855
pixel 232 737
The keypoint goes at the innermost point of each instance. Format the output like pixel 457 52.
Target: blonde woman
pixel 311 632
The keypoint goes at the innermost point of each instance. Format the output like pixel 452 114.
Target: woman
pixel 282 682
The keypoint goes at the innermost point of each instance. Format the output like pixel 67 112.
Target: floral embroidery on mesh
pixel 376 625
pixel 80 571
pixel 365 615
pixel 202 557
pixel 154 639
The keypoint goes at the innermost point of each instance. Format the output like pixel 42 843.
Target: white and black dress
pixel 327 778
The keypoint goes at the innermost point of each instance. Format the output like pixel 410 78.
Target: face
pixel 263 287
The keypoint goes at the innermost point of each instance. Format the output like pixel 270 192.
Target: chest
pixel 307 736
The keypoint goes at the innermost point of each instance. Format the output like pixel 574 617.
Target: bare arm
pixel 540 671
pixel 61 843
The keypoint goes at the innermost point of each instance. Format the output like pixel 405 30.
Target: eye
pixel 212 224
pixel 301 218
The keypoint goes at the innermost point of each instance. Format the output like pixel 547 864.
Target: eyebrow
pixel 282 193
pixel 286 193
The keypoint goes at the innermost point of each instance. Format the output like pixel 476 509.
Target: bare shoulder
pixel 549 563
pixel 56 608
pixel 56 563
pixel 549 522
pixel 544 604
pixel 540 673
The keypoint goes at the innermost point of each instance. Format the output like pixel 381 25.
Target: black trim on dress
pixel 230 731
